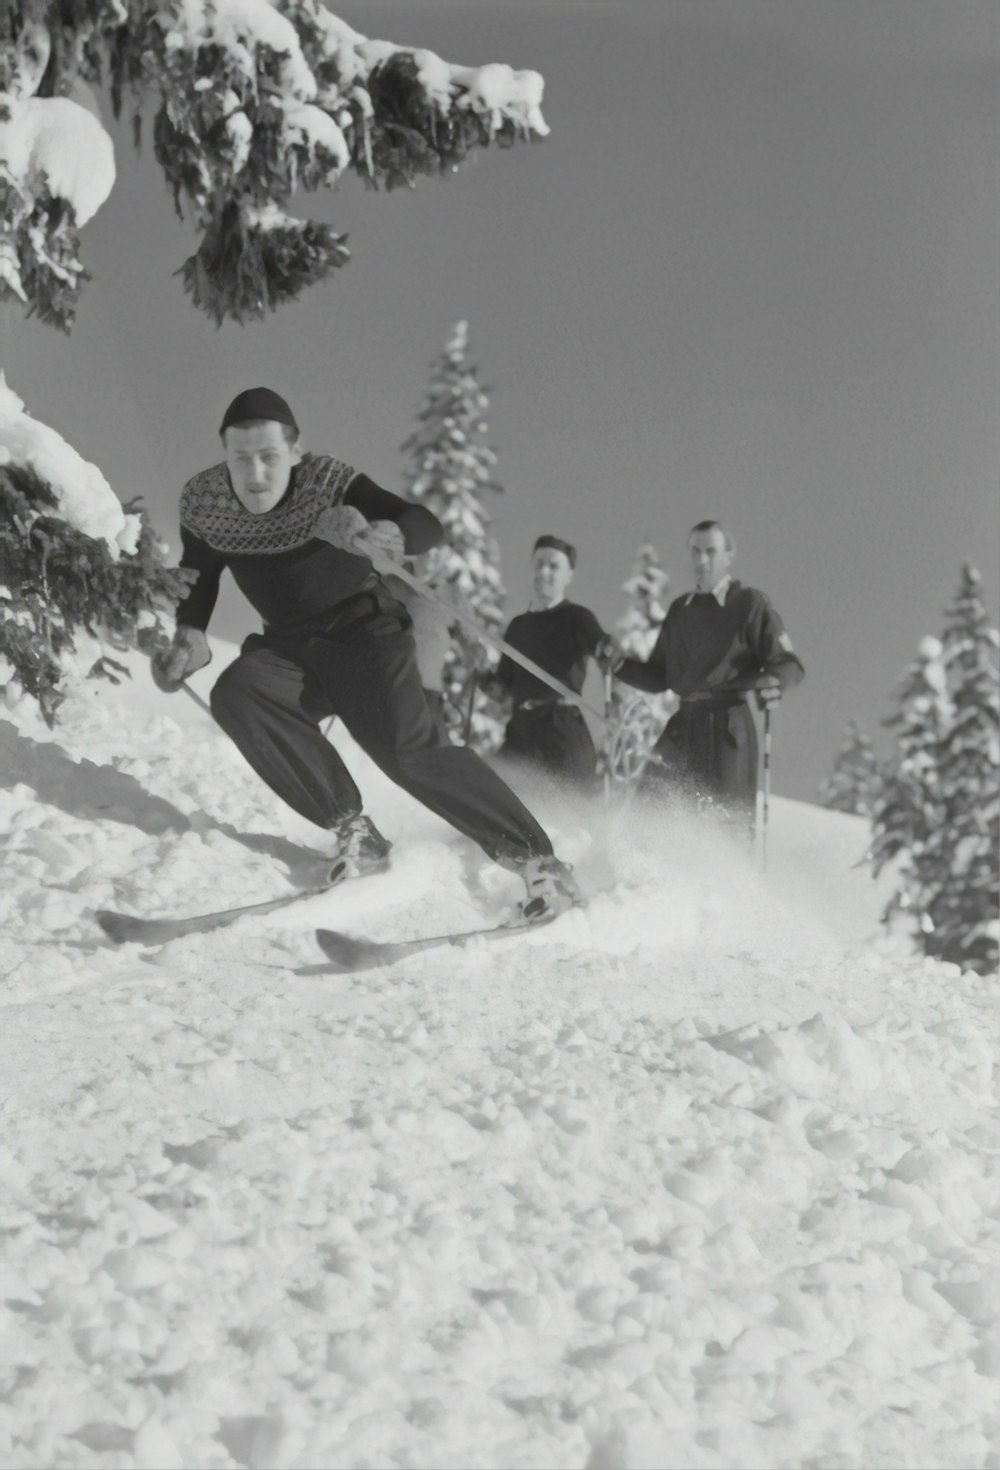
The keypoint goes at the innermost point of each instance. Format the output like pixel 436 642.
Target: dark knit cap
pixel 258 403
pixel 568 551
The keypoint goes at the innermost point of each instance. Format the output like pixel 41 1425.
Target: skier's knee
pixel 228 693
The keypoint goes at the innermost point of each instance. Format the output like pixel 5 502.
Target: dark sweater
pixel 291 577
pixel 702 646
pixel 559 639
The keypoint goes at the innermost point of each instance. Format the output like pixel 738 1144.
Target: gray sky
pixel 752 273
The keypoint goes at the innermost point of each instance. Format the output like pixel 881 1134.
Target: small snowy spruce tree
pixel 961 874
pixel 638 718
pixel 853 784
pixel 251 100
pixel 450 470
pixel 908 809
pixel 72 560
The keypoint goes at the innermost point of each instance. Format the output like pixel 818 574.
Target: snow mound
pixel 704 1176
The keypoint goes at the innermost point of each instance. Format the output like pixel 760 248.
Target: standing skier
pixel 559 636
pixel 718 645
pixel 299 533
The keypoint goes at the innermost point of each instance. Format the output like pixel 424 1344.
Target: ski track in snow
pixel 705 1176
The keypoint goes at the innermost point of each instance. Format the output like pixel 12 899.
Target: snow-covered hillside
pixel 705 1176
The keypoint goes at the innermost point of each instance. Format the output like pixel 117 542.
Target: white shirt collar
pixel 718 591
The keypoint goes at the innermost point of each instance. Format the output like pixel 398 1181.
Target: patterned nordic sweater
pixel 292 578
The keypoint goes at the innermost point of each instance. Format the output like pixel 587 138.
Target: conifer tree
pixel 638 718
pixel 450 470
pixel 251 101
pixel 72 560
pixel 908 809
pixel 961 859
pixel 853 784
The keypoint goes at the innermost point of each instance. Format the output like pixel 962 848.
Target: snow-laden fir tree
pixel 853 784
pixel 638 718
pixel 960 862
pixel 451 470
pixel 72 560
pixel 251 100
pixel 908 808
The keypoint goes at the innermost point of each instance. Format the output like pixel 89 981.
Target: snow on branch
pixel 73 560
pixel 80 494
pixel 251 100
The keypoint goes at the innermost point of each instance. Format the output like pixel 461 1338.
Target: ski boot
pixel 361 849
pixel 551 888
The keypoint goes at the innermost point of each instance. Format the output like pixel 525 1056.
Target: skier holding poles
pixel 301 534
pixel 718 645
pixel 545 730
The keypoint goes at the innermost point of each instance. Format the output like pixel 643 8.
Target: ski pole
pixel 470 710
pixel 608 684
pixel 384 564
pixel 201 703
pixel 767 788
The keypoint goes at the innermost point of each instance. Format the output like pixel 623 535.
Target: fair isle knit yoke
pixel 211 510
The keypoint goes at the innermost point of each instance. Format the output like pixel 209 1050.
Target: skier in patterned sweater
pixel 560 636
pixel 718 645
pixel 301 534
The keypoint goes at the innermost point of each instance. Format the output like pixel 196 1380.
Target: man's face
pixel 710 558
pixel 260 462
pixel 551 573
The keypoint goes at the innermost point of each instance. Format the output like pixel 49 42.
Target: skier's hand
pixel 381 541
pixel 346 527
pixel 340 525
pixel 184 656
pixel 768 691
pixel 481 661
pixel 608 655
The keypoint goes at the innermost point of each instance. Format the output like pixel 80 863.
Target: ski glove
pixel 171 665
pixel 346 527
pixel 609 655
pixel 768 691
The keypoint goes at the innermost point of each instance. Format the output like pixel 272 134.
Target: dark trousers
pixel 436 706
pixel 708 752
pixel 554 738
pixel 362 668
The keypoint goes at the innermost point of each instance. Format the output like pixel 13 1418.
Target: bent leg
pixel 382 703
pixel 267 705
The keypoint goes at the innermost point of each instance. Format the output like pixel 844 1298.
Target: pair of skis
pixel 344 954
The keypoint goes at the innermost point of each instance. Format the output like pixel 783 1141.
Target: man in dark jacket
pixel 718 646
pixel 560 636
pixel 301 534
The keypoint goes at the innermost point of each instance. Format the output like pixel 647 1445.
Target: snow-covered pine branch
pixel 73 559
pixel 251 101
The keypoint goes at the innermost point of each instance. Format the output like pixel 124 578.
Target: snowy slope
pixel 707 1176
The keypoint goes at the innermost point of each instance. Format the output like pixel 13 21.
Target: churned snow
pixel 85 499
pixel 705 1176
